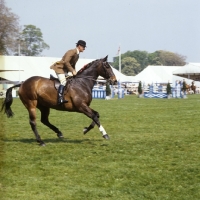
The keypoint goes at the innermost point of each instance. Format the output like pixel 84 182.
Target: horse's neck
pixel 87 78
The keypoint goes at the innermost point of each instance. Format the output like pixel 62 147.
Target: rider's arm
pixel 70 61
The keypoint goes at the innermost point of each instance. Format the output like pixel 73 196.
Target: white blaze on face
pixel 102 130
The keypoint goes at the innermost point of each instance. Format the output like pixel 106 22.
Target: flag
pixel 118 52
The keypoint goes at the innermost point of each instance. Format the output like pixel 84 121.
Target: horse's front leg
pixel 91 126
pixel 87 129
pixel 95 117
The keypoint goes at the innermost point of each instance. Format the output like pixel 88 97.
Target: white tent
pixel 123 78
pixel 195 64
pixel 189 69
pixel 19 68
pixel 161 74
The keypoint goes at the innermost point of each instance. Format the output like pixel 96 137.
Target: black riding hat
pixel 82 43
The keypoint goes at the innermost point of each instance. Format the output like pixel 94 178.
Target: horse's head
pixel 102 68
pixel 105 70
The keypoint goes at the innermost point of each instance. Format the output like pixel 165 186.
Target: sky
pixel 106 25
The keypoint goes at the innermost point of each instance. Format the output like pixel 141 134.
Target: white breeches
pixel 62 79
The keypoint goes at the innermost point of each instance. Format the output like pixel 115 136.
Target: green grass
pixel 153 153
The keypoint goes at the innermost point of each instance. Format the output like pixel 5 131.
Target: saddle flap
pixel 56 81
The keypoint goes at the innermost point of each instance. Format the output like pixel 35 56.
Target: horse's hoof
pixel 42 144
pixel 85 130
pixel 106 137
pixel 60 135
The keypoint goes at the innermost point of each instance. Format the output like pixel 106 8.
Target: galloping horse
pixel 39 92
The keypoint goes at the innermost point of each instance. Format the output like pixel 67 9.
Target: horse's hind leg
pixel 45 120
pixel 32 121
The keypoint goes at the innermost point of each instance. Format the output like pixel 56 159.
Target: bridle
pixel 107 72
pixel 105 66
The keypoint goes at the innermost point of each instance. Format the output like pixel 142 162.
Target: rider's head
pixel 81 45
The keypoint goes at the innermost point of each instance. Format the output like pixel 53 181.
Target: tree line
pixel 133 62
pixel 27 41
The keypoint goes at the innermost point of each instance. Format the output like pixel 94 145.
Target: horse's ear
pixel 105 59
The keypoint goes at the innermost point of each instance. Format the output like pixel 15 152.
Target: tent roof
pixel 159 74
pixel 121 77
pixel 190 68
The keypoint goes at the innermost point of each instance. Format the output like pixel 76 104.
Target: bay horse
pixel 187 88
pixel 39 92
pixel 193 87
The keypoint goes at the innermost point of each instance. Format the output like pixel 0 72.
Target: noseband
pixel 105 67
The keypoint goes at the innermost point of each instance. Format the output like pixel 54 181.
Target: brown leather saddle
pixel 57 82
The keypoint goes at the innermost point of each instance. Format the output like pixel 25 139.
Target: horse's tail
pixel 8 101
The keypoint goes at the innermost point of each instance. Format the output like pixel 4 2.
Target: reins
pixel 87 77
pixel 90 77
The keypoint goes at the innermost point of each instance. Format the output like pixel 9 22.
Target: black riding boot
pixel 60 95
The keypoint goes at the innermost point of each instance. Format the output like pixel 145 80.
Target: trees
pixel 134 62
pixel 108 90
pixel 31 40
pixel 169 88
pixel 140 88
pixel 130 66
pixel 166 58
pixel 140 56
pixel 9 29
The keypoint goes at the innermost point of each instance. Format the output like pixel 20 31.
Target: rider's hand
pixel 74 73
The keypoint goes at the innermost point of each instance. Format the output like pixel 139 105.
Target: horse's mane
pixel 86 67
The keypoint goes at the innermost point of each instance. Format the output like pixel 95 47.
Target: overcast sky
pixel 147 25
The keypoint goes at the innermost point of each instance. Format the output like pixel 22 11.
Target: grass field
pixel 153 153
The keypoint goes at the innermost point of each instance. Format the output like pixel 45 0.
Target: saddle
pixel 57 82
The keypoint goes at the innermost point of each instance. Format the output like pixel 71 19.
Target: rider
pixel 67 64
